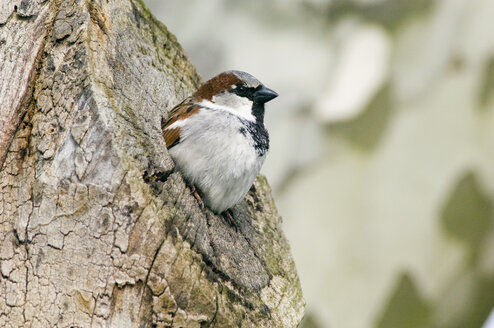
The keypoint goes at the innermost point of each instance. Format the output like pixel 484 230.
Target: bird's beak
pixel 264 95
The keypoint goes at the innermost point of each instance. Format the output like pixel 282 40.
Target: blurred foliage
pixel 467 214
pixel 406 308
pixel 480 304
pixel 389 13
pixel 487 86
pixel 310 321
pixel 367 129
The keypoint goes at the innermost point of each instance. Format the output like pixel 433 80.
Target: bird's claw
pixel 229 217
pixel 197 197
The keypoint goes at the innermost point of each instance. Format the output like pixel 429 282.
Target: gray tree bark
pixel 97 229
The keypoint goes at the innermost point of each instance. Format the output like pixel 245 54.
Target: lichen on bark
pixel 97 228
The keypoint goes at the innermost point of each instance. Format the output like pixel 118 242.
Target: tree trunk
pixel 96 227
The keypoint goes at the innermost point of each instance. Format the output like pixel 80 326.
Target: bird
pixel 218 140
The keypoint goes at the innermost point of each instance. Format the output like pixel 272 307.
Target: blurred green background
pixel 382 146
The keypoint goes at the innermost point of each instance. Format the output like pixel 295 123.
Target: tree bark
pixel 97 229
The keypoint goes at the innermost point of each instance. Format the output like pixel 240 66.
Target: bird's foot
pixel 197 197
pixel 228 215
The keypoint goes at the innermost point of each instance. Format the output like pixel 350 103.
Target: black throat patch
pixel 258 133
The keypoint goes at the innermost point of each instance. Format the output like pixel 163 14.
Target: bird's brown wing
pixel 182 111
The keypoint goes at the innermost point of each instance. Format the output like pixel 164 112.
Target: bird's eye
pixel 242 91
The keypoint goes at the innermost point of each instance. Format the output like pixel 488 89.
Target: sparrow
pixel 218 140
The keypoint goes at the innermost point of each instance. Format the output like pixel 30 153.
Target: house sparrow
pixel 218 140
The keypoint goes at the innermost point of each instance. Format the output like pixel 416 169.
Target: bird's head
pixel 237 92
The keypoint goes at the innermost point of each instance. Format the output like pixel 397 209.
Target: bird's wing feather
pixel 180 112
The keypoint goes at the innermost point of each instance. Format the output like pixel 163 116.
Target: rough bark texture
pixel 97 229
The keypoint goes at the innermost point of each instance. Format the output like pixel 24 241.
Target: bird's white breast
pixel 217 158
